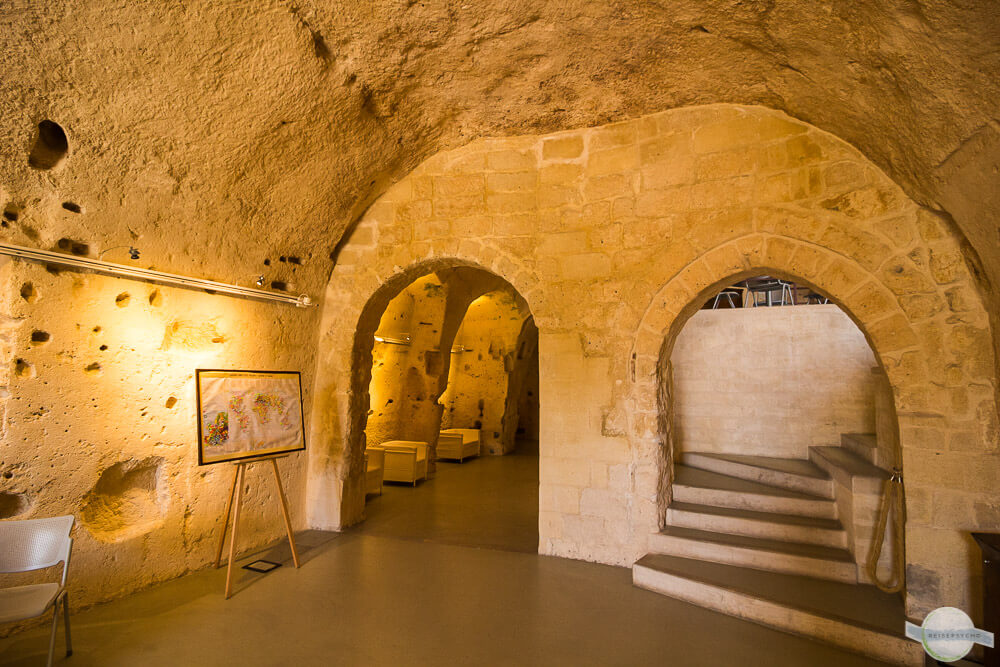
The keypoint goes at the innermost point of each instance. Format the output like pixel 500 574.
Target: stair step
pixel 792 474
pixel 848 469
pixel 767 525
pixel 702 487
pixel 849 616
pixel 864 445
pixel 757 553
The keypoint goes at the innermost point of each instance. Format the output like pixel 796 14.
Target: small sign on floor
pixel 263 566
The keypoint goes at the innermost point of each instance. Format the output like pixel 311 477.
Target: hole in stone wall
pixel 126 501
pixel 123 299
pixel 28 292
pixel 50 147
pixel 267 262
pixel 40 337
pixel 23 369
pixel 96 329
pixel 12 212
pixel 92 369
pixel 71 207
pixel 319 46
pixel 52 268
pixel 279 285
pixel 103 348
pixel 155 298
pixel 171 402
pixel 75 247
pixel 295 260
pixel 13 504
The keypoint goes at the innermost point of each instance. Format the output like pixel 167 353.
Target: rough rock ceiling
pixel 216 132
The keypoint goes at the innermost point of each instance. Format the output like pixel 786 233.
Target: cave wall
pixel 281 122
pixel 484 371
pixel 100 418
pixel 404 380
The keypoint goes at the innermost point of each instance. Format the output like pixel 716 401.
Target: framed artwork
pixel 248 414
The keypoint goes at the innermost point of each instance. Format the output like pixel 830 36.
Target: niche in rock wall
pixel 128 500
pixel 51 146
pixel 13 504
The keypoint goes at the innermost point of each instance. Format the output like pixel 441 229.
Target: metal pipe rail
pixel 135 273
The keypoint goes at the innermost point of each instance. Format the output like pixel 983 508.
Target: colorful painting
pixel 246 414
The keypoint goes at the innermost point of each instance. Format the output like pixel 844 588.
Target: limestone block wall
pixel 614 236
pixel 886 423
pixel 99 419
pixel 771 381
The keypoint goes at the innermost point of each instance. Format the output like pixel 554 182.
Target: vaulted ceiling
pixel 219 134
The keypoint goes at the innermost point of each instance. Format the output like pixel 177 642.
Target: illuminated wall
pixel 484 371
pixel 771 381
pixel 405 370
pixel 100 418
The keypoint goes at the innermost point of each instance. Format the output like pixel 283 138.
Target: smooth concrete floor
pixel 489 501
pixel 387 593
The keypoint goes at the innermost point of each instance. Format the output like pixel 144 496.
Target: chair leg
pixel 52 637
pixel 69 640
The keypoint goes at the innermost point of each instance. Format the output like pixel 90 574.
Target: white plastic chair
pixel 29 545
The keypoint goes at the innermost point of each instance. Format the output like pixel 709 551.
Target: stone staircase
pixel 761 539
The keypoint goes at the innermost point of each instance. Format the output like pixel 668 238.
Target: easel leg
pixel 225 520
pixel 284 513
pixel 236 523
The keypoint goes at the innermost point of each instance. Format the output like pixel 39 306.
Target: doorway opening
pixel 782 431
pixel 451 377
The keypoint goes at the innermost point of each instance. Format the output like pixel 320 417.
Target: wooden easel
pixel 237 491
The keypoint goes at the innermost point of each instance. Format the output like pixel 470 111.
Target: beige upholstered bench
pixel 458 443
pixel 404 460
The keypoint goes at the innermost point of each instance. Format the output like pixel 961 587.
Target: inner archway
pixel 783 433
pixel 449 361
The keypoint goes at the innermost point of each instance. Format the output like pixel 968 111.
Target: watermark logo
pixel 948 634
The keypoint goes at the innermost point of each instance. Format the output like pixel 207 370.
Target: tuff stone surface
pixel 221 138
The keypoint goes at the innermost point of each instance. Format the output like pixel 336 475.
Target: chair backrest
pixel 468 434
pixel 400 452
pixel 34 544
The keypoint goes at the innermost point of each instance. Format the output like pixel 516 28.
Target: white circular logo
pixel 948 634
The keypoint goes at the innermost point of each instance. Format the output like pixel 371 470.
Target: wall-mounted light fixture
pixel 133 252
pixel 135 273
pixel 405 340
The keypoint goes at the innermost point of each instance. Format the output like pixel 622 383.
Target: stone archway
pixel 908 357
pixel 346 404
pixel 590 224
